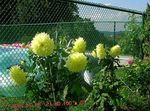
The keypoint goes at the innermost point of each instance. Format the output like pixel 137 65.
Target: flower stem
pixel 52 84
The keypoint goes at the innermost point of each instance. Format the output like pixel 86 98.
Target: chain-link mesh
pixel 20 20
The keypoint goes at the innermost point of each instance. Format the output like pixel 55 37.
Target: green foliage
pixel 78 108
pixel 37 11
pixel 82 28
pixel 105 93
pixel 146 44
pixel 46 76
pixel 44 11
pixel 133 101
pixel 8 11
pixel 137 36
pixel 29 12
pixel 136 89
pixel 131 42
pixel 50 81
pixel 104 96
pixel 138 77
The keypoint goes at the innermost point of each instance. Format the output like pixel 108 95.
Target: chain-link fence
pixel 20 20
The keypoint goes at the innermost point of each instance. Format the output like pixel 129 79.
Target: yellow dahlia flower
pixel 42 44
pixel 115 51
pixel 100 51
pixel 79 45
pixel 76 62
pixel 18 75
pixel 93 54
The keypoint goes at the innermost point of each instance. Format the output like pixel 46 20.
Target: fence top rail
pixel 105 6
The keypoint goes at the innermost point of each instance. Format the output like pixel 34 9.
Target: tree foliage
pixel 45 11
pixel 147 32
pixel 132 41
pixel 82 28
pixel 7 11
pixel 36 11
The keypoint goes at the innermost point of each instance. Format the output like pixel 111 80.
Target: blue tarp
pixel 8 57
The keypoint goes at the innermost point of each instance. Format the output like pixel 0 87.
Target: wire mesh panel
pixel 20 20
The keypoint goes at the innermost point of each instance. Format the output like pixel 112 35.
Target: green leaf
pixel 65 92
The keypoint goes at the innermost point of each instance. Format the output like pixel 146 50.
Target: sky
pixel 139 5
pixel 102 16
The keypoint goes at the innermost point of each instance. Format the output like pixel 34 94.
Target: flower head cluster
pixel 115 51
pixel 100 51
pixel 94 54
pixel 79 45
pixel 18 75
pixel 42 44
pixel 76 62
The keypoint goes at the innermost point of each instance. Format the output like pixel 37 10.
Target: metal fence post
pixel 114 32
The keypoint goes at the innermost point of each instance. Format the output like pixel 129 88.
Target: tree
pixel 85 28
pixel 147 32
pixel 32 11
pixel 137 36
pixel 36 11
pixel 45 11
pixel 7 11
pixel 131 43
